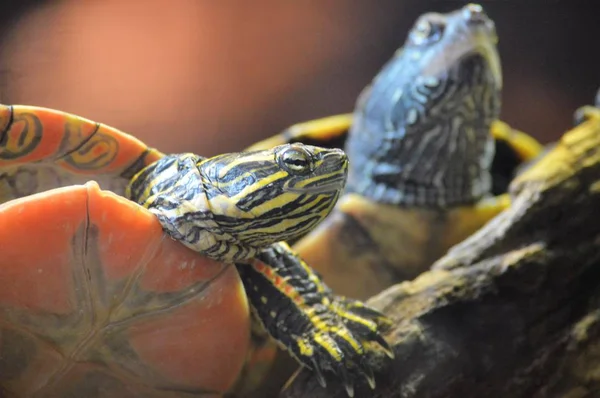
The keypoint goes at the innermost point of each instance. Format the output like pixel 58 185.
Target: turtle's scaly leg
pixel 322 331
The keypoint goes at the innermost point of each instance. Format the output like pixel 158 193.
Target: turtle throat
pixel 426 142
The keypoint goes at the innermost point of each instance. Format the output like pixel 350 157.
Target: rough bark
pixel 513 311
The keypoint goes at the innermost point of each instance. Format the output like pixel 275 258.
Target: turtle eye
pixel 425 31
pixel 296 160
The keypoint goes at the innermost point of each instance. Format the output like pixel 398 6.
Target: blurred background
pixel 214 76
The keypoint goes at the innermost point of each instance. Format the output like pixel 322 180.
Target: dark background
pixel 213 76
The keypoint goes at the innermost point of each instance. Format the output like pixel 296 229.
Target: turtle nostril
pixel 475 14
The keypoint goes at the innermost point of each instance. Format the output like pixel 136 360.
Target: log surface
pixel 513 311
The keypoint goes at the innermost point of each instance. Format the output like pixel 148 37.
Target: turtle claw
pixel 334 348
pixel 371 381
pixel 318 373
pixel 338 341
pixel 384 345
pixel 368 375
pixel 363 321
pixel 348 385
pixel 349 389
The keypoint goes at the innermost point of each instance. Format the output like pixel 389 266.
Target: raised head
pixel 421 131
pixel 230 206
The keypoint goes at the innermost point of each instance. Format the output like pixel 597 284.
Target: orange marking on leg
pixel 269 273
pixel 279 282
pixel 289 290
pixel 260 267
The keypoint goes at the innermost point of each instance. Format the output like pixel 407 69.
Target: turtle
pixel 430 160
pixel 128 272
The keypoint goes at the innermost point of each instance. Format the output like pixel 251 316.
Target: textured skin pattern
pixel 420 135
pixel 327 333
pixel 230 206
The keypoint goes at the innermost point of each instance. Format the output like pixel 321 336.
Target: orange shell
pixel 95 300
pixel 42 148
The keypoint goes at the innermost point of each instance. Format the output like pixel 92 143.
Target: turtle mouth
pixel 330 177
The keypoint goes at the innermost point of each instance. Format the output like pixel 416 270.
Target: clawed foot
pixel 337 342
pixel 325 332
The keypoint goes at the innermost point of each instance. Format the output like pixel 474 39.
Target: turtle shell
pixel 97 301
pixel 42 149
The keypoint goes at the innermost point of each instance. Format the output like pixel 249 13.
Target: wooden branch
pixel 513 311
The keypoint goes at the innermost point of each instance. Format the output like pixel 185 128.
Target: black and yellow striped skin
pixel 321 330
pixel 239 208
pixel 231 206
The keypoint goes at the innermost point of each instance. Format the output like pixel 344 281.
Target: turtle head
pixel 421 131
pixel 273 195
pixel 230 206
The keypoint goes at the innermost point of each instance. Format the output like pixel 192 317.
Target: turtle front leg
pixel 322 331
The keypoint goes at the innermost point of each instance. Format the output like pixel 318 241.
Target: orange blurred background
pixel 210 77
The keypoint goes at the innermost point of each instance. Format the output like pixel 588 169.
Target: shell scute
pixel 35 242
pixel 119 307
pixel 36 134
pixel 42 148
pixel 107 151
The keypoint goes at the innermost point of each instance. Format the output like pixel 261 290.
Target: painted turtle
pixel 429 160
pixel 142 289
